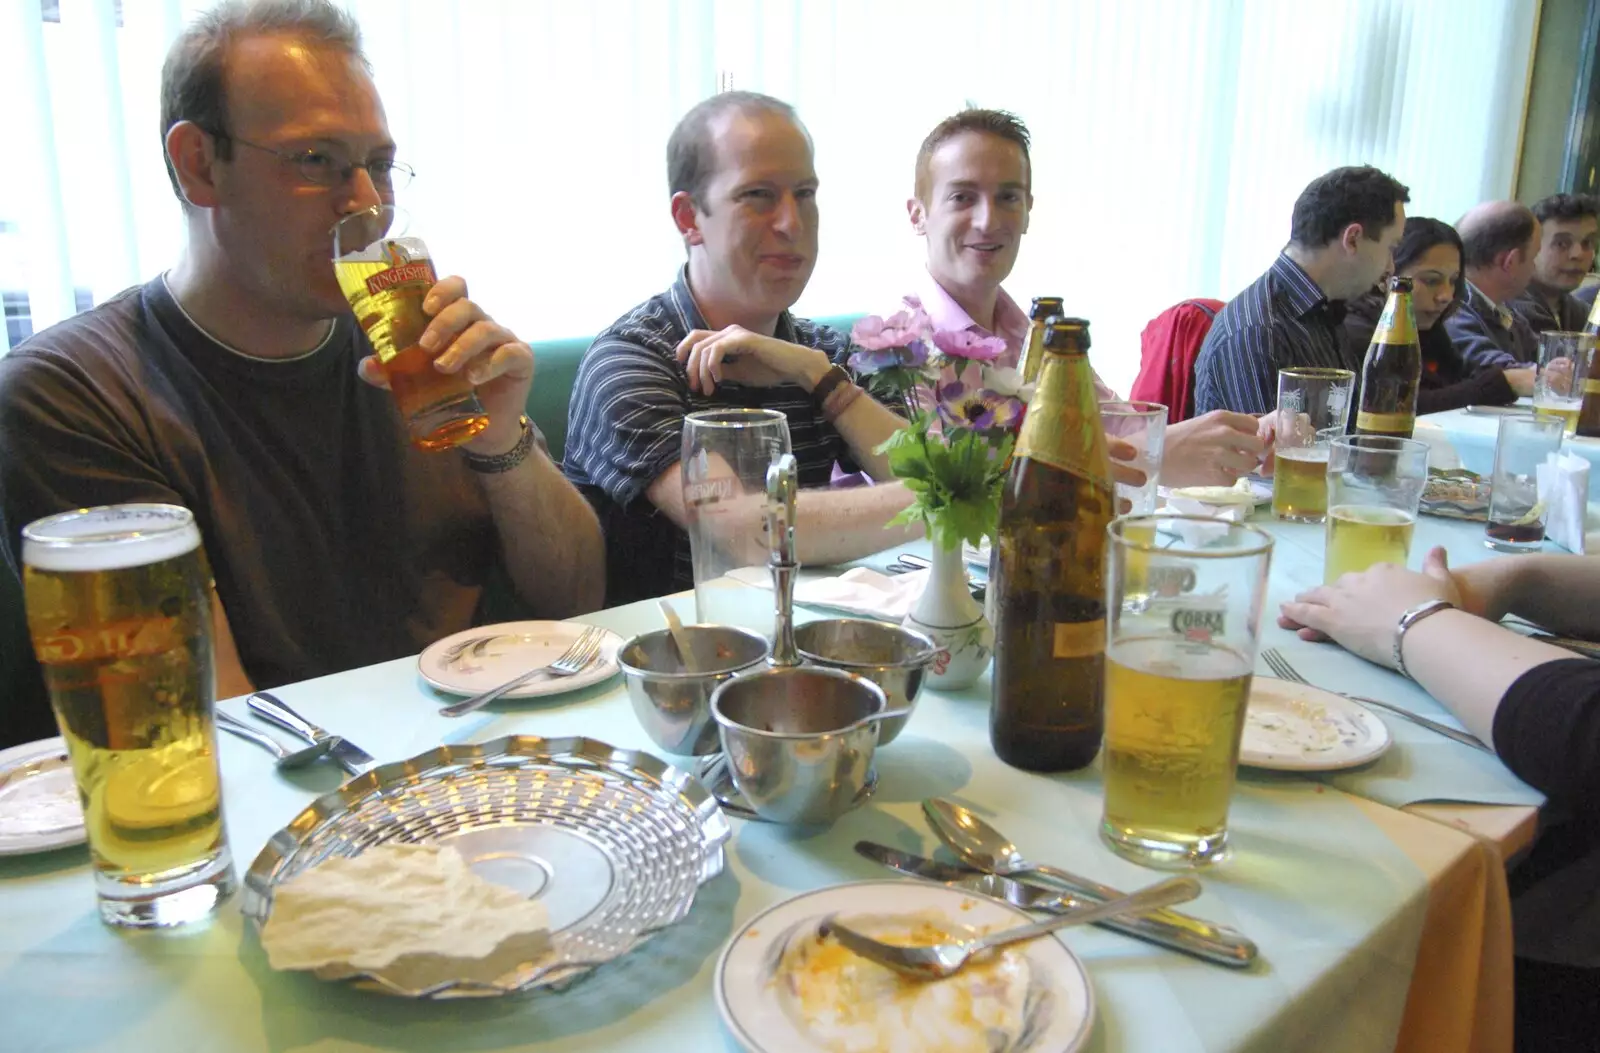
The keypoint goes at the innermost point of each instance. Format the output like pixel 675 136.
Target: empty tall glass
pixel 1375 485
pixel 1144 426
pixel 1313 409
pixel 1178 667
pixel 726 454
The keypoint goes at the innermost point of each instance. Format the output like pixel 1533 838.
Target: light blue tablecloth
pixel 1473 436
pixel 1336 907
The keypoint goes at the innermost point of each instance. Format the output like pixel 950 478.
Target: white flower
pixel 1003 380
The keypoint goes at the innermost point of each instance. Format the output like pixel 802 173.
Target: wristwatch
pixel 1407 620
pixel 503 462
pixel 830 380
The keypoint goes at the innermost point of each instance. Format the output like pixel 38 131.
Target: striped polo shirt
pixel 625 428
pixel 1281 321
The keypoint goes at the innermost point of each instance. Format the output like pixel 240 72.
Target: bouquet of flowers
pixel 964 412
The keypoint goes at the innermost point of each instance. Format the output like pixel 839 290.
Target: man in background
pixel 1569 229
pixel 972 197
pixel 744 199
pixel 1341 241
pixel 229 384
pixel 1501 243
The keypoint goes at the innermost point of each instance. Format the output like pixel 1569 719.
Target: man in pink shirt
pixel 973 194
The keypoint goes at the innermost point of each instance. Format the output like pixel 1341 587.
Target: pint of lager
pixel 1313 408
pixel 1375 486
pixel 1565 362
pixel 385 276
pixel 119 608
pixel 1178 667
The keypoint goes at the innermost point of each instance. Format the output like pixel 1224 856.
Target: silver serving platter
pixel 614 842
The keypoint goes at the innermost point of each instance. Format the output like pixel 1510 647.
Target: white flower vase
pixel 947 614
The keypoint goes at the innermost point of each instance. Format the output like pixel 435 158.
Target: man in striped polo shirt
pixel 739 167
pixel 1341 242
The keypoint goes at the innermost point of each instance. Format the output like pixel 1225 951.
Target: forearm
pixel 1468 663
pixel 1558 592
pixel 835 526
pixel 864 425
pixel 549 536
pixel 232 680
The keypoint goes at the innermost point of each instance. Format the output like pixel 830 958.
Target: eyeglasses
pixel 324 169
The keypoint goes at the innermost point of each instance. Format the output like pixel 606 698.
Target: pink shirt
pixel 1010 324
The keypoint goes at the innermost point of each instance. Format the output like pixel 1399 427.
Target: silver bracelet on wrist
pixel 503 462
pixel 1407 620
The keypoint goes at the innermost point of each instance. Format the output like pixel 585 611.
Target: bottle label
pixel 1079 639
pixel 1397 325
pixel 1591 387
pixel 1385 423
pixel 1063 430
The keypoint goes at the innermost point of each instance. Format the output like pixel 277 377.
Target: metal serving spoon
pixel 980 845
pixel 944 959
pixel 287 758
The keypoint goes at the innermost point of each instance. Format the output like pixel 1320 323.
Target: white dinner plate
pixel 1052 1002
pixel 39 807
pixel 1291 726
pixel 509 649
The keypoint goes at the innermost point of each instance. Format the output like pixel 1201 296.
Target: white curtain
pixel 1170 136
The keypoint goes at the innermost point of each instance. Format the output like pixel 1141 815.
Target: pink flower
pixel 960 343
pixel 898 330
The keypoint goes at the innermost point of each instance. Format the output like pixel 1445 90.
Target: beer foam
pixel 394 900
pixel 112 537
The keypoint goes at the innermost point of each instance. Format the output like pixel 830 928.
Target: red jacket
pixel 1167 350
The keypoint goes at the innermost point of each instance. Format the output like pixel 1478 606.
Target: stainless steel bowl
pixel 891 656
pixel 799 740
pixel 674 705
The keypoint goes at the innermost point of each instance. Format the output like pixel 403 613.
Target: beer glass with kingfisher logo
pixel 1179 656
pixel 385 273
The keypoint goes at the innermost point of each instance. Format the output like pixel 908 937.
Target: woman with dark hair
pixel 1429 253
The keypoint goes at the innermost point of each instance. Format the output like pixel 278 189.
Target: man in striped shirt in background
pixel 1342 237
pixel 739 166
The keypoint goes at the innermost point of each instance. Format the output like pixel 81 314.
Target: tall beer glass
pixel 1375 486
pixel 1178 671
pixel 1313 408
pixel 386 274
pixel 1565 360
pixel 726 454
pixel 119 609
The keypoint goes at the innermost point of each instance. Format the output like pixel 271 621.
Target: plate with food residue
pixel 1291 726
pixel 781 986
pixel 39 807
pixel 475 660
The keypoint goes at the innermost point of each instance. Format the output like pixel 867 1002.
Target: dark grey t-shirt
pixel 334 542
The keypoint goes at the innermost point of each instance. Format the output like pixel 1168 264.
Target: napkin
pixel 858 590
pixel 1441 452
pixel 1564 491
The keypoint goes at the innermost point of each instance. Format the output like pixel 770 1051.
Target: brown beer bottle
pixel 1050 633
pixel 1589 411
pixel 1033 355
pixel 1392 371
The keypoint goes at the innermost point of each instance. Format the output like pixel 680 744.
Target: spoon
pixel 287 758
pixel 980 845
pixel 944 959
pixel 679 637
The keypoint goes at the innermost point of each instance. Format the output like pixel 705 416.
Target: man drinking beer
pixel 229 384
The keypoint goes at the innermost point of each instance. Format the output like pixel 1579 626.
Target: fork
pixel 1280 665
pixel 575 659
pixel 945 959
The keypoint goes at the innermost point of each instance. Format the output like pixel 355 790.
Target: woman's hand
pixel 1361 612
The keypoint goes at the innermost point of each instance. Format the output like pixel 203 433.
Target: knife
pixel 1214 943
pixel 351 758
